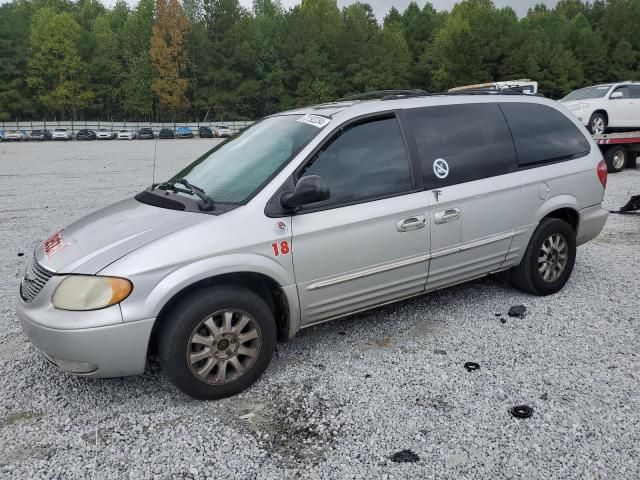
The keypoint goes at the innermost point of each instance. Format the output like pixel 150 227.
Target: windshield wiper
pixel 207 201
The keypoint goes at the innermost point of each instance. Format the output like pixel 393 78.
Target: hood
pixel 93 242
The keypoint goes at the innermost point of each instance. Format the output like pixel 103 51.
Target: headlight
pixel 86 292
pixel 578 106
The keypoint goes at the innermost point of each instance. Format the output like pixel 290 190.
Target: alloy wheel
pixel 224 346
pixel 552 258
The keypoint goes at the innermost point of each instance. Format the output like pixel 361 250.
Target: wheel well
pixel 602 112
pixel 568 215
pixel 264 286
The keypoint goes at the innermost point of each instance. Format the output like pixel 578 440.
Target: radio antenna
pixel 155 153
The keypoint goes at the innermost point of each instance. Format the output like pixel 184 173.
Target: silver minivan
pixel 310 215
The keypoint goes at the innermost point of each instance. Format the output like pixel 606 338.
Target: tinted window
pixel 623 90
pixel 543 134
pixel 472 139
pixel 634 91
pixel 364 162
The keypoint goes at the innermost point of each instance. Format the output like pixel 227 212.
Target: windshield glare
pixel 598 91
pixel 237 168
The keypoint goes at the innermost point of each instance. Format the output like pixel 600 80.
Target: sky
pixel 381 7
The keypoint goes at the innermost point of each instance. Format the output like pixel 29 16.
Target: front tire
pixel 217 342
pixel 549 259
pixel 597 124
pixel 616 158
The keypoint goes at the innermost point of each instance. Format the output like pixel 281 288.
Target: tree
pixel 169 55
pixel 57 74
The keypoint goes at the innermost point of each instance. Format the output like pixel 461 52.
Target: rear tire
pixel 217 342
pixel 616 158
pixel 548 261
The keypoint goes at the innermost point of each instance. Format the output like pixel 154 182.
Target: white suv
pixel 600 107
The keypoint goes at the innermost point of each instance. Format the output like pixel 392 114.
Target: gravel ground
pixel 343 397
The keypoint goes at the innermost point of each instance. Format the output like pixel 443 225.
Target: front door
pixel 470 173
pixel 622 111
pixel 368 243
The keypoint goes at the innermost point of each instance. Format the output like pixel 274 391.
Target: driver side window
pixel 364 162
pixel 623 90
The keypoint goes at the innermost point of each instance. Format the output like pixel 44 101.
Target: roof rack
pixel 400 94
pixel 384 93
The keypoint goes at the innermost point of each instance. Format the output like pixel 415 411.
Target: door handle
pixel 448 215
pixel 411 223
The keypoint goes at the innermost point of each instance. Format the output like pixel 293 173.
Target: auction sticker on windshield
pixel 315 120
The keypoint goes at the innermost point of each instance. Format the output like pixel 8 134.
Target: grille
pixel 34 280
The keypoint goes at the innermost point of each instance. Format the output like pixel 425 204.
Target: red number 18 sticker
pixel 280 248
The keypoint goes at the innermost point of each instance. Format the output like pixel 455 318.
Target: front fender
pixel 150 295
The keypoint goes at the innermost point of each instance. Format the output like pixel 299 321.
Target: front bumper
pixel 591 223
pixel 115 350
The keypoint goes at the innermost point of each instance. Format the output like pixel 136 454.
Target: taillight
pixel 602 173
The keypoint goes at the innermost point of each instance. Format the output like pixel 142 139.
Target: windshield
pixel 61 130
pixel 598 91
pixel 237 168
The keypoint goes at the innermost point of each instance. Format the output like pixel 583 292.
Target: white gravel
pixel 340 399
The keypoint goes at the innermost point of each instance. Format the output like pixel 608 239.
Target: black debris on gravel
pixel 517 311
pixel 439 351
pixel 405 456
pixel 367 375
pixel 471 366
pixel 20 254
pixel 342 333
pixel 544 396
pixel 522 411
pixel 503 320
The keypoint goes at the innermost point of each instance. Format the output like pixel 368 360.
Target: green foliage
pixel 57 74
pixel 79 57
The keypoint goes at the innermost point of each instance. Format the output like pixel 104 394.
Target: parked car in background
pixel 61 134
pixel 146 133
pixel 16 136
pixel 223 131
pixel 166 133
pixel 205 132
pixel 105 134
pixel 86 134
pixel 2 135
pixel 40 135
pixel 610 105
pixel 127 134
pixel 184 132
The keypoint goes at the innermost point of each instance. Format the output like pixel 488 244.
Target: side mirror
pixel 616 94
pixel 309 189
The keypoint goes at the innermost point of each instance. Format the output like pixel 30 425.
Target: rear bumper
pixel 591 223
pixel 109 351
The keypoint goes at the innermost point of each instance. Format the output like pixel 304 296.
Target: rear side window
pixel 461 143
pixel 364 162
pixel 543 135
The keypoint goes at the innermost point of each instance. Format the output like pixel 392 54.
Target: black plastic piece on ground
pixel 503 320
pixel 405 456
pixel 471 366
pixel 439 351
pixel 517 311
pixel 632 205
pixel 522 411
pixel 20 254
